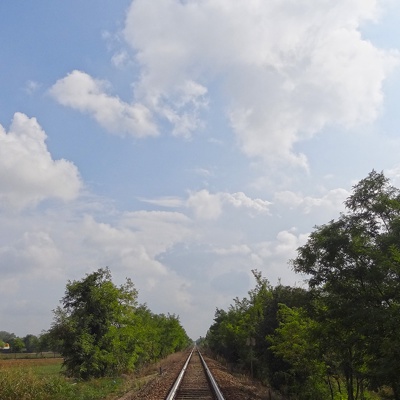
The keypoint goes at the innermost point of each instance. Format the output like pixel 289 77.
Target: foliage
pixel 49 342
pixel 17 344
pixel 103 331
pixel 31 343
pixel 296 340
pixel 7 337
pixel 354 270
pixel 239 334
pixel 339 339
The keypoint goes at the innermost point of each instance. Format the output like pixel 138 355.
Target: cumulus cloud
pixel 81 92
pixel 131 247
pixel 67 246
pixel 35 253
pixel 134 241
pixel 276 253
pixel 28 174
pixel 286 69
pixel 332 200
pixel 239 200
pixel 206 205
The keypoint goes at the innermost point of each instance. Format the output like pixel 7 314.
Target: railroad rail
pixel 195 381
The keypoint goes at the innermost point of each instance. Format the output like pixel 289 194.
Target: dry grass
pixel 29 363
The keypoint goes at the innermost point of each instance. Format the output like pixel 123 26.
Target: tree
pixel 239 334
pixel 96 326
pixel 354 269
pixel 296 341
pixel 31 343
pixel 7 337
pixel 17 344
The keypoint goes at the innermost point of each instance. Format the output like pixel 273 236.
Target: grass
pixel 41 380
pixel 18 356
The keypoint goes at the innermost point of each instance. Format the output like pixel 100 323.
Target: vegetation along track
pixel 195 381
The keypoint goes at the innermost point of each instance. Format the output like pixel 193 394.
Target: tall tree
pixel 95 326
pixel 354 269
pixel 17 344
pixel 296 341
pixel 7 337
pixel 31 343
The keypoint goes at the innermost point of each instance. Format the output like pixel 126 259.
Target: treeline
pixel 29 343
pixel 101 330
pixel 340 337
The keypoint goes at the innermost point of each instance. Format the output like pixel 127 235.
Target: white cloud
pixel 35 253
pixel 206 173
pixel 332 200
pixel 205 205
pixel 28 174
pixel 166 201
pixel 273 256
pixel 120 59
pixel 239 200
pixel 210 206
pixel 181 107
pixel 132 241
pixel 158 230
pixel 63 246
pixel 131 247
pixel 287 70
pixel 80 91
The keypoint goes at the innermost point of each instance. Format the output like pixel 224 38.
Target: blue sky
pixel 183 143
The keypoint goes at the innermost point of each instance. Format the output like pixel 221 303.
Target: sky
pixel 183 143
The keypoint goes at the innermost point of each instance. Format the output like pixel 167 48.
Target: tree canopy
pixel 354 269
pixel 102 330
pixel 341 337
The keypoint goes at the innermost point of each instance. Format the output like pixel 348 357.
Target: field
pixel 23 356
pixel 40 379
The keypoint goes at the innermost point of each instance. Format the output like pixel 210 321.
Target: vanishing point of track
pixel 195 381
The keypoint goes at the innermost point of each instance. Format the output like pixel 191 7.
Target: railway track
pixel 195 381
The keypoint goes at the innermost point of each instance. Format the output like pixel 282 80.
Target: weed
pixel 46 383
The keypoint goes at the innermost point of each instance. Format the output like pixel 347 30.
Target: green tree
pixel 296 340
pixel 31 343
pixel 96 326
pixel 172 336
pixel 354 269
pixel 17 344
pixel 44 342
pixel 7 337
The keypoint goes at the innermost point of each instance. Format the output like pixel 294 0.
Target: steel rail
pixel 178 381
pixel 214 386
pixel 211 379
